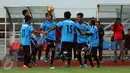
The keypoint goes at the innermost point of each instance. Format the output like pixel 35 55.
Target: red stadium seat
pixel 15 46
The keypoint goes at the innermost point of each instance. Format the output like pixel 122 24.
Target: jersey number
pixel 69 29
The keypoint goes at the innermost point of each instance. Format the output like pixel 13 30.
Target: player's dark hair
pixel 80 14
pixel 98 22
pixel 118 19
pixel 48 14
pixel 24 12
pixel 92 22
pixel 67 15
pixel 92 18
pixel 27 18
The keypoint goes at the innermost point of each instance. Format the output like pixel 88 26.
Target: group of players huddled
pixel 87 39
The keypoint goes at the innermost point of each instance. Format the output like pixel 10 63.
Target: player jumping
pixel 50 38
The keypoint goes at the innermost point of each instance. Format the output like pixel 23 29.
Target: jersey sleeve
pixel 88 28
pixel 121 27
pixel 112 28
pixel 60 24
pixel 31 28
pixel 42 26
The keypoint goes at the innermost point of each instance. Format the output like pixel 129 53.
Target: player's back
pixel 68 30
pixel 26 31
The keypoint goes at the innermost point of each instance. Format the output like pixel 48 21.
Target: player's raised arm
pixel 28 21
pixel 52 28
pixel 42 26
pixel 56 26
pixel 37 32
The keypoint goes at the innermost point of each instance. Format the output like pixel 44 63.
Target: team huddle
pixel 87 40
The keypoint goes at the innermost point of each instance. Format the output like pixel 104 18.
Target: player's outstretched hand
pixel 45 32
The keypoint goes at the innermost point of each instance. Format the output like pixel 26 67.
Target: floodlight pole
pixel 97 12
pixel 121 13
pixel 5 31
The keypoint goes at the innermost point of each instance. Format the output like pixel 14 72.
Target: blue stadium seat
pixel 112 46
pixel 107 45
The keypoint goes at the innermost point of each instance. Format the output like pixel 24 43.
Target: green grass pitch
pixel 68 70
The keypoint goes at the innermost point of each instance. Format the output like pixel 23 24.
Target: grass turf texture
pixel 121 69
